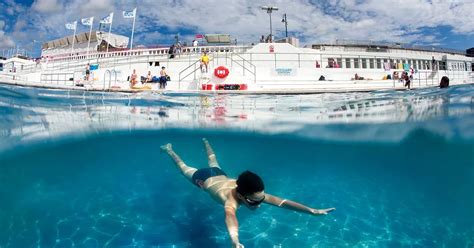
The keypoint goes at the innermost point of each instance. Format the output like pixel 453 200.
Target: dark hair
pixel 444 82
pixel 249 183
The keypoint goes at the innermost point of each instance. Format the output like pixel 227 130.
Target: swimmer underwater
pixel 247 190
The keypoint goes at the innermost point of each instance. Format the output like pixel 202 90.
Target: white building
pixel 98 42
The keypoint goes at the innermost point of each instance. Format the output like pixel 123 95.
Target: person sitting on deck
pixel 204 62
pixel 357 77
pixel 248 190
pixel 149 78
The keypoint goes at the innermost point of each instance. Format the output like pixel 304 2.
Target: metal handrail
pixel 185 69
pixel 107 72
pixel 115 77
pixel 254 72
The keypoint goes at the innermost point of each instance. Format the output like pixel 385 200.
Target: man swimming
pixel 247 190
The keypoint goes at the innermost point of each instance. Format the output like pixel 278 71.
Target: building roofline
pixel 389 45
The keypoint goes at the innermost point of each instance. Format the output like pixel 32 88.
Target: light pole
pixel 284 20
pixel 269 10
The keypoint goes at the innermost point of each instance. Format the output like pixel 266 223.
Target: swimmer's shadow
pixel 199 227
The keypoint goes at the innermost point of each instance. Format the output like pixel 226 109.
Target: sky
pixel 25 24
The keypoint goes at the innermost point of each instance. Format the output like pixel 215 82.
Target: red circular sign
pixel 221 72
pixel 271 48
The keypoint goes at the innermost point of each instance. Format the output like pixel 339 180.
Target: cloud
pixel 10 7
pixel 407 21
pixel 89 7
pixel 5 41
pixel 47 6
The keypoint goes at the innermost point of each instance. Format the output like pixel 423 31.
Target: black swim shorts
pixel 202 175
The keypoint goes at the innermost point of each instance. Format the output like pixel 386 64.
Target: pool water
pixel 85 169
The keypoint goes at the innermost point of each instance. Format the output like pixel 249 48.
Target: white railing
pixel 303 59
pixel 12 77
pixel 117 58
pixel 66 78
pixel 147 51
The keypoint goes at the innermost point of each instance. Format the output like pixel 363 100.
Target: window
pixel 356 63
pixel 339 62
pixel 393 65
pixel 348 63
pixel 442 65
pixel 371 63
pixel 330 63
pixel 379 64
pixel 364 63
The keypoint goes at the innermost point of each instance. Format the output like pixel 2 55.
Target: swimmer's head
pixel 250 189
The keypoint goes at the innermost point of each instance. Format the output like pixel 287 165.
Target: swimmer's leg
pixel 186 170
pixel 211 157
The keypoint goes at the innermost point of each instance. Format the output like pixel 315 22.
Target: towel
pixel 406 67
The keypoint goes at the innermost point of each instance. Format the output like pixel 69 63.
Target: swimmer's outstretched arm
pixel 284 203
pixel 232 224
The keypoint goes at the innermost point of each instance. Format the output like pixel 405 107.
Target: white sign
pixel 284 72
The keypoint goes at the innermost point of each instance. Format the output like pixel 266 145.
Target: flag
pixel 108 19
pixel 87 21
pixel 130 14
pixel 72 25
pixel 199 36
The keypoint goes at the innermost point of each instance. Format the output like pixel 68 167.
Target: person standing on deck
pixel 195 44
pixel 247 190
pixel 133 79
pixel 88 72
pixel 163 78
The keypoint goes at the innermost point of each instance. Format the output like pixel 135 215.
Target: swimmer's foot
pixel 166 148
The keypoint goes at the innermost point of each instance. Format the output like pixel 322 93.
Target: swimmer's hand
pixel 237 245
pixel 322 211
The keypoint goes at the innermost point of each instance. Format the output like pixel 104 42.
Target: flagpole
pixel 74 37
pixel 108 36
pixel 90 33
pixel 133 27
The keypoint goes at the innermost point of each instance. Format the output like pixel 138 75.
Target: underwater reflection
pixel 31 113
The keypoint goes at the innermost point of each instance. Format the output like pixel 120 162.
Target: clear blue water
pixel 84 169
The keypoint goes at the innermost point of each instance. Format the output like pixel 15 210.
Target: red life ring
pixel 221 72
